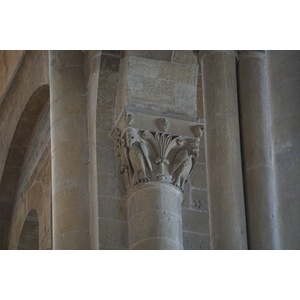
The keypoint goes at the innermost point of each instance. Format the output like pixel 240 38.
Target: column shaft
pixel 223 153
pixel 284 97
pixel 154 217
pixel 258 170
pixel 69 149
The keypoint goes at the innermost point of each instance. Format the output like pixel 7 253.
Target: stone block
pixel 194 241
pixel 138 66
pixel 106 185
pixel 104 139
pixel 74 219
pixel 105 160
pixel 68 82
pixel 105 117
pixel 164 55
pixel 73 240
pixel 109 62
pixel 199 200
pixel 63 59
pixel 187 195
pixel 120 183
pixel 201 157
pixel 72 196
pixel 195 221
pixel 200 98
pixel 113 234
pixel 198 176
pixel 155 224
pixel 71 150
pixel 64 107
pixel 157 243
pixel 68 130
pixel 185 57
pixel 185 96
pixel 114 208
pixel 150 90
pixel 107 87
pixel 70 173
pixel 179 73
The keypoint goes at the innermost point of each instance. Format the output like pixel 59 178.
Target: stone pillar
pixel 283 69
pixel 156 164
pixel 154 217
pixel 69 150
pixel 259 182
pixel 223 153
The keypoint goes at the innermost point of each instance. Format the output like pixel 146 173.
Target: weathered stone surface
pixel 109 62
pixel 150 89
pixel 154 213
pixel 67 78
pixel 185 57
pixel 9 62
pixel 223 156
pixel 185 98
pixel 257 151
pixel 112 208
pixel 106 160
pixel 194 241
pixel 138 66
pixel 113 234
pixel 283 69
pixel 198 176
pixel 195 221
pixel 105 117
pixel 179 73
pixel 199 199
pixel 164 55
pixel 107 87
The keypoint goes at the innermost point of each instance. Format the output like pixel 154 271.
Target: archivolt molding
pixel 158 153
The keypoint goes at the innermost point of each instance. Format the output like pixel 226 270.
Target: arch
pixel 14 161
pixel 29 238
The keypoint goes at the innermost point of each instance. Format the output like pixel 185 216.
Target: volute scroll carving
pixel 155 156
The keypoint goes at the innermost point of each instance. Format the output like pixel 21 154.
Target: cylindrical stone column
pixel 259 181
pixel 154 217
pixel 284 97
pixel 69 150
pixel 223 152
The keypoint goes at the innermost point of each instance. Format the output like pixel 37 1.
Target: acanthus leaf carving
pixel 155 156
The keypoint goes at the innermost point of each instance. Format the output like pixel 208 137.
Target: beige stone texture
pixel 71 224
pixel 21 105
pixel 223 152
pixel 9 63
pixel 154 217
pixel 284 89
pixel 259 180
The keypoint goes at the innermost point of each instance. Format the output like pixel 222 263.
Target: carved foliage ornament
pixel 154 156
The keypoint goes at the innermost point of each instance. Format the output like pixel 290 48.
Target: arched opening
pixel 29 238
pixel 15 158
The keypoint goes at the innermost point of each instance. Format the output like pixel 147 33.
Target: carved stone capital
pixel 157 153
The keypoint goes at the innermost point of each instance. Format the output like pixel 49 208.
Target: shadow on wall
pixel 29 238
